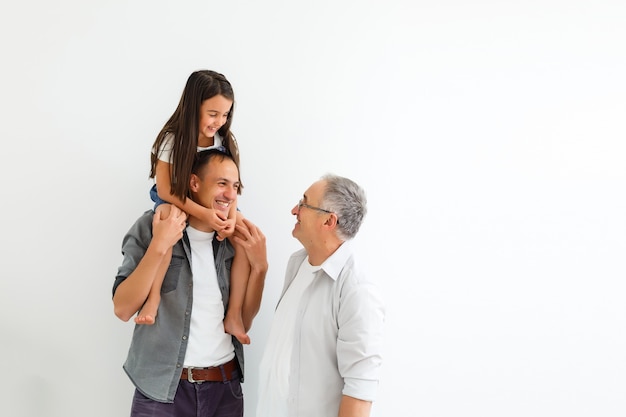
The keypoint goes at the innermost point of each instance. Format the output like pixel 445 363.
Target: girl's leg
pixel 148 313
pixel 239 273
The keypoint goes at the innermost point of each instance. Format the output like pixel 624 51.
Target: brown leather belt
pixel 221 373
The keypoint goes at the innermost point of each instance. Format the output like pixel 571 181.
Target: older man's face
pixel 310 216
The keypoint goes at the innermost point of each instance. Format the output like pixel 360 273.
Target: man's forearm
pixel 133 291
pixel 353 407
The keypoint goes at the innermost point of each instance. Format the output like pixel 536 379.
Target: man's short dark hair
pixel 204 157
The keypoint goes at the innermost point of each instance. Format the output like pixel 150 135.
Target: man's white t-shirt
pixel 209 344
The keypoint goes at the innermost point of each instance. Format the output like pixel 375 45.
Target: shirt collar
pixel 335 262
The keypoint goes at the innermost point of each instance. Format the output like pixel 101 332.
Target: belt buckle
pixel 190 376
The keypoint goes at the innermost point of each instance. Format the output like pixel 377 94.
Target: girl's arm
pixel 190 207
pixel 232 213
pixel 234 216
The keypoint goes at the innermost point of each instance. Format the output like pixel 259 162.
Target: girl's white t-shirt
pixel 165 152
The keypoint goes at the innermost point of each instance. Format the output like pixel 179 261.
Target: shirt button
pixel 184 337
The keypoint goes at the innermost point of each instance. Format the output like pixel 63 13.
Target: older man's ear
pixel 332 220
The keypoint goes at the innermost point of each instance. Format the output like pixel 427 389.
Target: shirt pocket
pixel 170 282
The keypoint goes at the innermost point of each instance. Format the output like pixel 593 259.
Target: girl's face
pixel 213 114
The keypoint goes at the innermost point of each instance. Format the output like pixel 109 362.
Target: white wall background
pixel 490 137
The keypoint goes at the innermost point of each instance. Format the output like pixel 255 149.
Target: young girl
pixel 201 121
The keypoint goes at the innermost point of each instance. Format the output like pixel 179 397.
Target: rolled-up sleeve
pixel 360 339
pixel 134 247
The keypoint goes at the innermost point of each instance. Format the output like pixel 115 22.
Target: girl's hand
pixel 223 227
pixel 212 218
pixel 227 230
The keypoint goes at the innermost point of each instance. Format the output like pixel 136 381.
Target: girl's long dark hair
pixel 183 125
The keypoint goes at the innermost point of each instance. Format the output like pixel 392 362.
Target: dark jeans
pixel 208 399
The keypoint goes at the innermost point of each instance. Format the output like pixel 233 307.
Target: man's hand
pixel 166 232
pixel 250 238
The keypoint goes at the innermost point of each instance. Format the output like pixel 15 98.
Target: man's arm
pixel 249 238
pixel 133 291
pixel 353 407
pixel 361 320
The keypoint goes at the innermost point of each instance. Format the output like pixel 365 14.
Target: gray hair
pixel 347 200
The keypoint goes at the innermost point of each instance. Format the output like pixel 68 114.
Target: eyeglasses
pixel 301 204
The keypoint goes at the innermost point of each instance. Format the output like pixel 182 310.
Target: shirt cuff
pixel 361 389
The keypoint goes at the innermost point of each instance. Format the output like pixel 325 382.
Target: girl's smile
pixel 213 115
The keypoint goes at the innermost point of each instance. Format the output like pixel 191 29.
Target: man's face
pixel 309 220
pixel 217 185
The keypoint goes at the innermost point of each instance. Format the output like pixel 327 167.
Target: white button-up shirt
pixel 336 341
